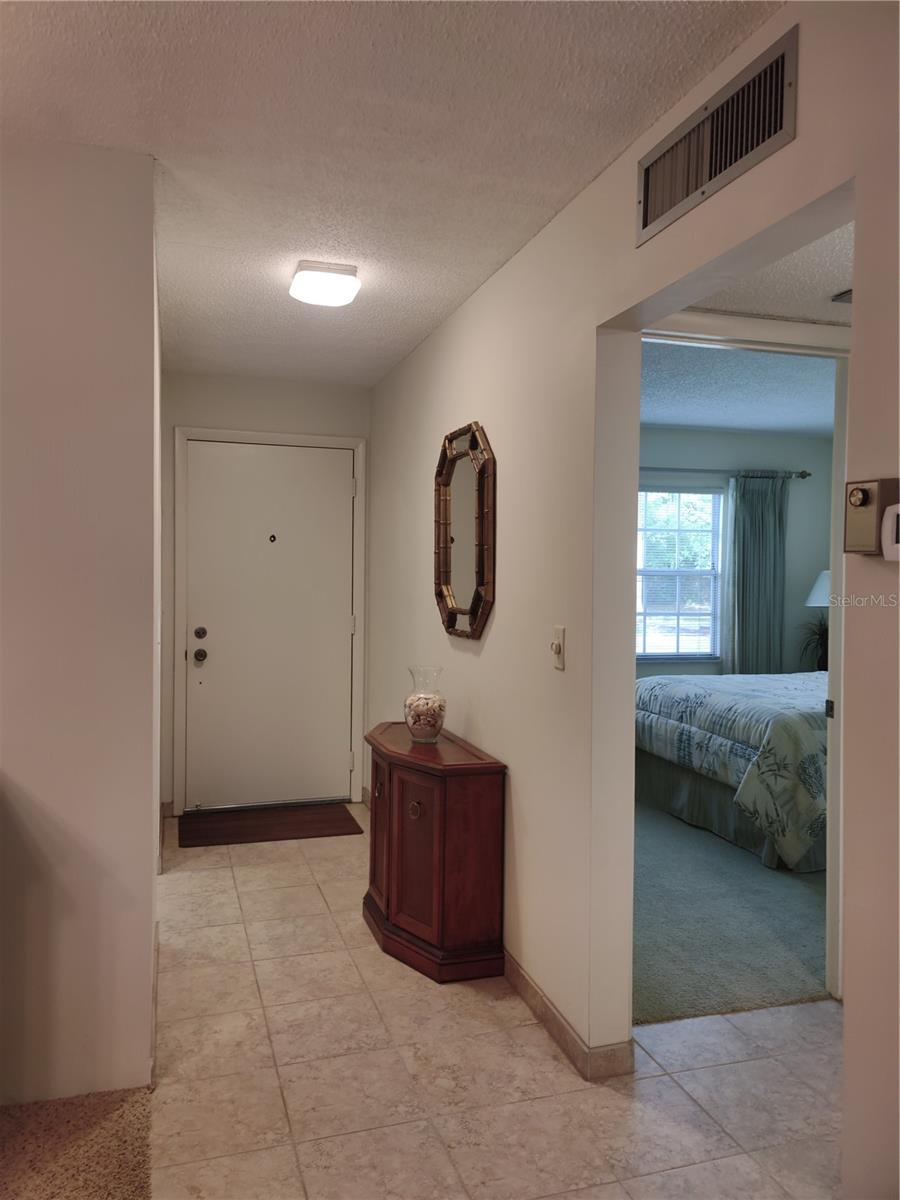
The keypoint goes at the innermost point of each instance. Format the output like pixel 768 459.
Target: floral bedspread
pixel 763 735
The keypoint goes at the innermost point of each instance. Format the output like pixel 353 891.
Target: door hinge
pixel 352 760
pixel 829 708
pixel 352 624
pixel 353 486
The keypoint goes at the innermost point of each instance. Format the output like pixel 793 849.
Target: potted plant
pixel 815 641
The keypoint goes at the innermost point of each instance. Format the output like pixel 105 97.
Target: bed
pixel 741 755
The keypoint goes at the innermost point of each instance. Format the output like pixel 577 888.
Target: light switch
pixel 558 647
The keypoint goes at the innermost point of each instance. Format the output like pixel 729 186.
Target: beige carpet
pixel 714 930
pixel 93 1147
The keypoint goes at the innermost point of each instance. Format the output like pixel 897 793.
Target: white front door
pixel 269 602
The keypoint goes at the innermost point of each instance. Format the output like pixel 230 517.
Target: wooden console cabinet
pixel 435 898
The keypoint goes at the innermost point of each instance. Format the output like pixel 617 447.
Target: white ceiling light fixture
pixel 329 284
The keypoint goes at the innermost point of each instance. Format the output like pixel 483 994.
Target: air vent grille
pixel 742 124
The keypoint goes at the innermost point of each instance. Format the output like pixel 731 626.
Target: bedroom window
pixel 679 562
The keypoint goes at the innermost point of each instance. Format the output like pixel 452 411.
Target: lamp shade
pixel 820 591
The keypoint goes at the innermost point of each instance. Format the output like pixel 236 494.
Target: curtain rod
pixel 725 471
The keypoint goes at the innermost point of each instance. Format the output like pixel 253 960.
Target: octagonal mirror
pixel 464 529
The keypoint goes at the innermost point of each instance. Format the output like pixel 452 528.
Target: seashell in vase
pixel 424 708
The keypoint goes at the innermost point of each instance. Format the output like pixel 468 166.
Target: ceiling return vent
pixel 743 123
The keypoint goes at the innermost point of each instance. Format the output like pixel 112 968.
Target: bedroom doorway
pixel 738 648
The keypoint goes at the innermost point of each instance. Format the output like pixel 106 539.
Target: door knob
pixel 200 655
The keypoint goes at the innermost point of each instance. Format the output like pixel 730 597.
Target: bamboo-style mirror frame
pixel 478 451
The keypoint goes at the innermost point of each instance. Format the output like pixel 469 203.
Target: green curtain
pixel 753 628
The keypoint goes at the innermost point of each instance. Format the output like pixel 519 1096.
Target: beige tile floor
pixel 295 1061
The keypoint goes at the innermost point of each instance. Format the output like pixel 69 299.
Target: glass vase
pixel 424 707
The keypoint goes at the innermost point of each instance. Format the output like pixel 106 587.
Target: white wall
pixel 522 357
pixel 250 405
pixel 79 809
pixel 503 692
pixel 808 517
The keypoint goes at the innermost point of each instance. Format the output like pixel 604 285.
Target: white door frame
pixel 834 878
pixel 820 341
pixel 185 434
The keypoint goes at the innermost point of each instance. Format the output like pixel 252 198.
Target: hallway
pixel 295 1060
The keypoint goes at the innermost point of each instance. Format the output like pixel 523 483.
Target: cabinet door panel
pixel 473 861
pixel 417 803
pixel 379 836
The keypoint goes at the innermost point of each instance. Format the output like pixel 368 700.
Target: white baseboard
pixel 591 1062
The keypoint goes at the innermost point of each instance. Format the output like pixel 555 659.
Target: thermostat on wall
pixel 890 533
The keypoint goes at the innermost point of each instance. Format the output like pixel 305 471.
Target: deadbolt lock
pixel 200 631
pixel 200 655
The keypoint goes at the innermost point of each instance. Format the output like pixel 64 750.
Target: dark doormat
pixel 264 823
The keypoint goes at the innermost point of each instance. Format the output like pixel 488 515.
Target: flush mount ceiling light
pixel 330 284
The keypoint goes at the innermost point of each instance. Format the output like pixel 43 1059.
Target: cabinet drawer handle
pixel 415 810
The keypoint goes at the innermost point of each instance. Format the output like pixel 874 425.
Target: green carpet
pixel 715 930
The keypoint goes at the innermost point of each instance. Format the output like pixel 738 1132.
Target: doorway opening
pixel 733 552
pixel 737 644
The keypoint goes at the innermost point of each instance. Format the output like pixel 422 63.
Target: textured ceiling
pixel 425 143
pixel 798 287
pixel 717 388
